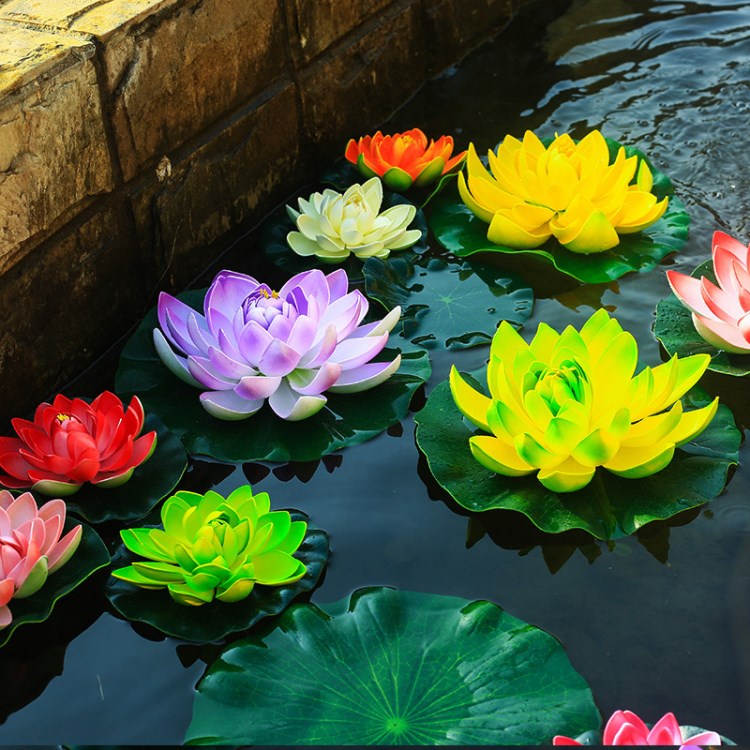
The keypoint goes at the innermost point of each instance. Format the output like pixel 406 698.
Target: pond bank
pixel 138 133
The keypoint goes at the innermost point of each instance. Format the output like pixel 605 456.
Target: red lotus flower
pixel 71 442
pixel 404 159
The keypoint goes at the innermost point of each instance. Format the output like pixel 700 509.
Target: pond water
pixel 655 623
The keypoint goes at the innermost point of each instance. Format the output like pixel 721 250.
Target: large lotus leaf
pixel 674 328
pixel 275 229
pixel 459 231
pixel 392 668
pixel 456 305
pixel 151 481
pixel 609 506
pixel 347 419
pixel 212 622
pixel 88 558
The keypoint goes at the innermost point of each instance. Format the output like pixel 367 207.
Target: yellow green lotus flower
pixel 569 402
pixel 212 548
pixel 568 189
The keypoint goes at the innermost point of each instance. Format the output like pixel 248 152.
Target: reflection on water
pixel 655 623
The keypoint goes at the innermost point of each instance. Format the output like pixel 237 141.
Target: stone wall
pixel 135 134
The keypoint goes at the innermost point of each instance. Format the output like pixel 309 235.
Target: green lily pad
pixel 347 419
pixel 212 622
pixel 460 232
pixel 455 305
pixel 90 556
pixel 275 229
pixel 675 331
pixel 392 668
pixel 152 481
pixel 609 506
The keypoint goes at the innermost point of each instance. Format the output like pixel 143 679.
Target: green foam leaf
pixel 460 232
pixel 347 419
pixel 212 622
pixel 609 506
pixel 90 555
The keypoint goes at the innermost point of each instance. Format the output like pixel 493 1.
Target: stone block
pixel 347 93
pixel 96 17
pixel 173 75
pixel 53 150
pixel 231 181
pixel 456 26
pixel 315 26
pixel 64 304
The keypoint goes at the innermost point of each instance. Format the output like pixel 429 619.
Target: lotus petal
pixel 365 376
pixel 229 405
pixel 288 404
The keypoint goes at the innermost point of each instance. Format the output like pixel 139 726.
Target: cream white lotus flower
pixel 332 225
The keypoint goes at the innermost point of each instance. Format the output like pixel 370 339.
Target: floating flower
pixel 625 728
pixel 332 225
pixel 404 159
pixel 721 314
pixel 289 346
pixel 567 403
pixel 30 546
pixel 212 548
pixel 71 442
pixel 568 189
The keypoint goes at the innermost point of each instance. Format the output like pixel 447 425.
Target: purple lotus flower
pixel 289 347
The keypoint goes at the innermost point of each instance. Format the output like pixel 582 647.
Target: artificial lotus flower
pixel 30 546
pixel 71 442
pixel 288 347
pixel 568 402
pixel 567 190
pixel 404 159
pixel 332 225
pixel 212 548
pixel 626 728
pixel 721 314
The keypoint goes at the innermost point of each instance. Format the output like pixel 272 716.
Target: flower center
pixel 62 417
pixel 356 201
pixel 564 145
pixel 557 385
pixel 264 304
pixel 220 520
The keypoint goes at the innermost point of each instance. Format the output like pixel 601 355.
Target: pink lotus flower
pixel 71 442
pixel 721 314
pixel 625 728
pixel 30 546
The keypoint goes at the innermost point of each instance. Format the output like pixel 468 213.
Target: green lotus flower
pixel 212 548
pixel 569 402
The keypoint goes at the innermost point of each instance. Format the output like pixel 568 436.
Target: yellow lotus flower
pixel 568 402
pixel 568 189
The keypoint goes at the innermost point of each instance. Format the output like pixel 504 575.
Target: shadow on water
pixel 514 531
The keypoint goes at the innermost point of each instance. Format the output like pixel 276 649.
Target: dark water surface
pixel 656 623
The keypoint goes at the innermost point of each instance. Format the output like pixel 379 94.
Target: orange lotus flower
pixel 404 159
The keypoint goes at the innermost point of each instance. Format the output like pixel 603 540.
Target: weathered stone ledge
pixel 135 134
